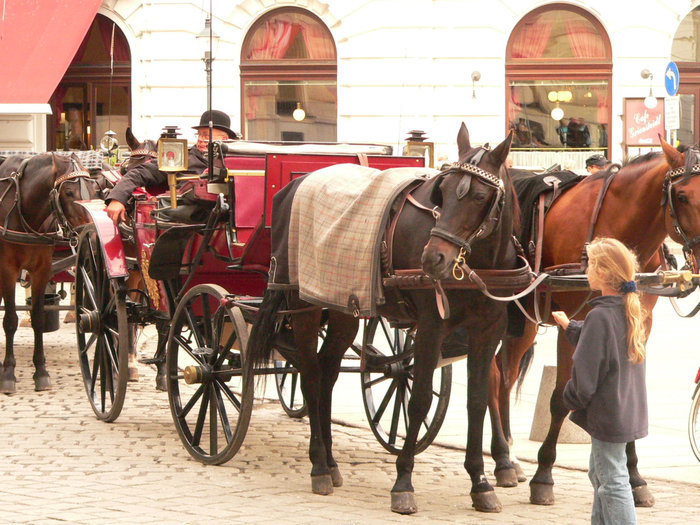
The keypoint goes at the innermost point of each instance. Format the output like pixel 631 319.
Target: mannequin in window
pixel 528 133
pixel 577 134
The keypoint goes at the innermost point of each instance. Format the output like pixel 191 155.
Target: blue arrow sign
pixel 672 79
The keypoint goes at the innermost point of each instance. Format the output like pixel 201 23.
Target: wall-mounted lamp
pixel 299 114
pixel 650 100
pixel 476 76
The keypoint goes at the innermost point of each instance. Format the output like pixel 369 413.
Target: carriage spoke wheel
pixel 694 423
pixel 101 329
pixel 386 393
pixel 210 379
pixel 288 383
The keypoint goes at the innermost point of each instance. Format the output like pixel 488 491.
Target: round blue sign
pixel 672 79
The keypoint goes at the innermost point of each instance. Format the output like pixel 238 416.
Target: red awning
pixel 38 40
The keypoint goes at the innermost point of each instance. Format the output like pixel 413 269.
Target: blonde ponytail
pixel 615 265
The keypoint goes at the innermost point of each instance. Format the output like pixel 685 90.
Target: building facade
pixel 568 78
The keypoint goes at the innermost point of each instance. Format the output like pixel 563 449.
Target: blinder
pixel 463 186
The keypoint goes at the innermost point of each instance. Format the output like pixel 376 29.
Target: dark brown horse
pixel 476 220
pixel 37 208
pixel 638 209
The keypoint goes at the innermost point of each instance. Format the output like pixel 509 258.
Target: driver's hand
pixel 116 211
pixel 561 319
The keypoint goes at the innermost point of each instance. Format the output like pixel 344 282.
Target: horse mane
pixel 517 212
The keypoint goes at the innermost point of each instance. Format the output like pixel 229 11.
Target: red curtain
pixel 584 40
pixel 274 41
pixel 121 47
pixel 318 45
pixel 532 39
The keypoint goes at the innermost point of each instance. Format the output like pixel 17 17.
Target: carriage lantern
pixel 417 145
pixel 172 158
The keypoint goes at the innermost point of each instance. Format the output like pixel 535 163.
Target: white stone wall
pixel 402 64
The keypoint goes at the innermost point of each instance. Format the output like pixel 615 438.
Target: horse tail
pixel 262 334
pixel 523 368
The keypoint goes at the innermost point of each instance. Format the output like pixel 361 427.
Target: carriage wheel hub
pixel 196 374
pixel 90 322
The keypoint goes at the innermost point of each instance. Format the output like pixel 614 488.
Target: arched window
pixel 288 79
pixel 558 73
pixel 686 54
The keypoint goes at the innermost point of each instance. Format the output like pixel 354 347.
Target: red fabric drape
pixel 318 45
pixel 121 47
pixel 274 41
pixel 514 108
pixel 532 39
pixel 584 40
pixel 602 96
pixel 81 50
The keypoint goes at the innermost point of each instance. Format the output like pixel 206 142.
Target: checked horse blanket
pixel 336 218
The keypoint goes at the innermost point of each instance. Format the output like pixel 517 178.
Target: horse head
pixel 141 152
pixel 681 200
pixel 470 195
pixel 71 183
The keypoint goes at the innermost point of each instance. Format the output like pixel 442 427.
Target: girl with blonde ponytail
pixel 607 389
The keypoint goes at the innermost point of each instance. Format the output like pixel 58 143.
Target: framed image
pixel 172 154
pixel 643 125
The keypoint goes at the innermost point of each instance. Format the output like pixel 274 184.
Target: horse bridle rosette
pixel 488 224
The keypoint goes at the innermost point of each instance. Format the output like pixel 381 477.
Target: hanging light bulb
pixel 557 113
pixel 299 114
pixel 650 100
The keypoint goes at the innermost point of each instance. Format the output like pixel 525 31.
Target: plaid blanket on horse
pixel 336 222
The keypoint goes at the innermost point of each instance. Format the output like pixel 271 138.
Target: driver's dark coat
pixel 149 175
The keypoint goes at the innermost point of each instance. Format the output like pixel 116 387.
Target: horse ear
pixel 463 144
pixel 673 156
pixel 131 140
pixel 500 152
pixel 54 164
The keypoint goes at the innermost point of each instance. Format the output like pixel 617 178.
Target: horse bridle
pixel 470 169
pixel 673 177
pixel 81 175
pixel 140 152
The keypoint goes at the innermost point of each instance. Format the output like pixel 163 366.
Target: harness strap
pixel 613 170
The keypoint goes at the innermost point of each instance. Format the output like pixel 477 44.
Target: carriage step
pixel 151 360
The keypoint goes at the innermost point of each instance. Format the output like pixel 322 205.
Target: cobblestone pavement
pixel 61 465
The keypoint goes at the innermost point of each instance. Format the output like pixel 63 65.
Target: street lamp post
pixel 209 42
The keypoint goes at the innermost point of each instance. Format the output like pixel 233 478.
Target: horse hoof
pixel 486 501
pixel 403 503
pixel 133 374
pixel 336 477
pixel 506 477
pixel 70 317
pixel 8 386
pixel 322 484
pixel 161 383
pixel 541 494
pixel 642 496
pixel 519 472
pixel 42 383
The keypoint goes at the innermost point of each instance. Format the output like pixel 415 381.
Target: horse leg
pixel 8 381
pixel 134 281
pixel 479 362
pixel 642 495
pixel 542 483
pixel 505 473
pixel 426 353
pixel 503 379
pixel 305 328
pixel 339 336
pixel 41 375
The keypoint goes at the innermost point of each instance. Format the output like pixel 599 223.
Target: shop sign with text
pixel 642 124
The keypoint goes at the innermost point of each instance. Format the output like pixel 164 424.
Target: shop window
pixel 558 73
pixel 686 54
pixel 288 79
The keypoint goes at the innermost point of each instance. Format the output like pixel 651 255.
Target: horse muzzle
pixel 438 259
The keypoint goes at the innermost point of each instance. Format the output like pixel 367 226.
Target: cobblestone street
pixel 61 465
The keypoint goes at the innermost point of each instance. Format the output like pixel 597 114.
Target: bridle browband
pixel 470 169
pixel 673 177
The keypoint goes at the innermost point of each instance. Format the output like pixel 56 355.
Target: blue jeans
pixel 613 503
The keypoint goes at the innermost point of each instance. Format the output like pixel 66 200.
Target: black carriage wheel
pixel 288 383
pixel 210 379
pixel 101 329
pixel 386 393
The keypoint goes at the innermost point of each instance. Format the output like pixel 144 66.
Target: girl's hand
pixel 561 319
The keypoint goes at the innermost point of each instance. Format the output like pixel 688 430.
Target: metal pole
pixel 210 146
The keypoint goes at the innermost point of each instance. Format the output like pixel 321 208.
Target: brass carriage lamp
pixel 172 158
pixel 418 146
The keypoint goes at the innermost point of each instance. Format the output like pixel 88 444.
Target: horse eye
pixel 683 198
pixel 480 196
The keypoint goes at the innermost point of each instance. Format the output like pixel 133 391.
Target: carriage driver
pixel 148 174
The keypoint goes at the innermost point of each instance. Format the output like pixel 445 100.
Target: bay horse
pixel 643 204
pixel 37 209
pixel 476 221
